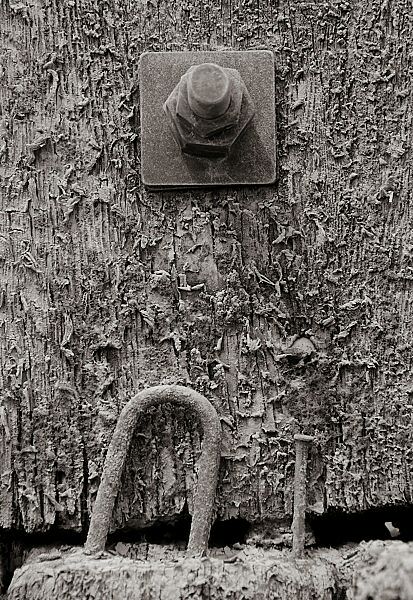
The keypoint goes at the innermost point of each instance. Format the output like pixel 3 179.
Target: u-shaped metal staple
pixel 208 465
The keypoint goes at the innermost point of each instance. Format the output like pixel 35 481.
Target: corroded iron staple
pixel 208 465
pixel 302 443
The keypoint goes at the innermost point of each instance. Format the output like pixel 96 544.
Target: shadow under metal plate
pixel 251 160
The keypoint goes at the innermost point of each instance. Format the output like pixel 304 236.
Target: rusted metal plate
pixel 251 160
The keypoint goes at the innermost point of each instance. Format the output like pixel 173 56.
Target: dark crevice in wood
pixel 338 528
pixel 163 531
pixel 229 532
pixel 176 531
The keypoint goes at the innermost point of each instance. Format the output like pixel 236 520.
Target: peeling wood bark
pixel 90 309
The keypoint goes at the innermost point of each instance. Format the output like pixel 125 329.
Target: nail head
pixel 300 437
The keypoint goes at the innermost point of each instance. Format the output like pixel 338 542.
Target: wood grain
pixel 299 315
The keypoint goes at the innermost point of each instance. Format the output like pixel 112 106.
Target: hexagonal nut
pixel 210 127
pixel 209 137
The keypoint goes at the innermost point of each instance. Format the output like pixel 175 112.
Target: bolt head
pixel 208 90
pixel 213 134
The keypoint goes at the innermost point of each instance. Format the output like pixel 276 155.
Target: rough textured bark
pixel 303 319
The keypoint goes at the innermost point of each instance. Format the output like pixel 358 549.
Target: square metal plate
pixel 251 160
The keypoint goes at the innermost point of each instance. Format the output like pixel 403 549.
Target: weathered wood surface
pixel 384 570
pixel 250 576
pixel 379 570
pixel 90 263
